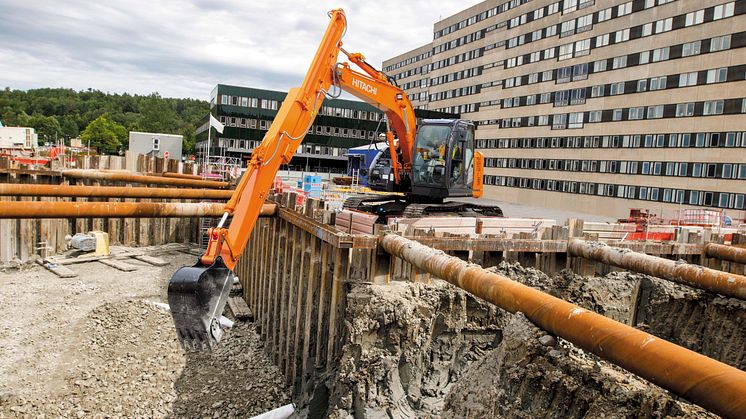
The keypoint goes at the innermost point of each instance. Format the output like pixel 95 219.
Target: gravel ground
pixel 95 345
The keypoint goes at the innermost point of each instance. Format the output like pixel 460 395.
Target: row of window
pixel 250 102
pixel 408 61
pixel 647 193
pixel 576 120
pixel 670 140
pixel 578 96
pixel 461 91
pixel 479 17
pixel 633 167
pixel 584 46
pixel 236 144
pixel 264 124
pixel 709 45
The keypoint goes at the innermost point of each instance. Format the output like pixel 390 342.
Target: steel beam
pixel 728 284
pixel 134 178
pixel 711 384
pixel 16 189
pixel 43 209
pixel 729 253
pixel 182 176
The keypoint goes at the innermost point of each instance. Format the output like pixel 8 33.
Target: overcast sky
pixel 183 48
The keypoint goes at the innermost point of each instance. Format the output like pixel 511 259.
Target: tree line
pixel 104 119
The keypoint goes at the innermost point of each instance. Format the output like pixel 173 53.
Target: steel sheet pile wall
pixel 294 274
pixel 20 238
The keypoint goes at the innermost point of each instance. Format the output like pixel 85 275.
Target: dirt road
pixel 95 345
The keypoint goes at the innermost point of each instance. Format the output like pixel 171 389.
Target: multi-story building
pixel 247 114
pixel 12 138
pixel 628 103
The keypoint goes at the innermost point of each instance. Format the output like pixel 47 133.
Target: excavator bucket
pixel 197 296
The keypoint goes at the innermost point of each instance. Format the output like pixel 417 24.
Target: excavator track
pixel 451 208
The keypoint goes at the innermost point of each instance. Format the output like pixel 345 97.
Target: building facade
pixel 156 144
pixel 247 114
pixel 636 104
pixel 18 138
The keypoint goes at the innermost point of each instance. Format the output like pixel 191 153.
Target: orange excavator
pixel 428 163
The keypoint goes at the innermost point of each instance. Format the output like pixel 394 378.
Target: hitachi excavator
pixel 428 164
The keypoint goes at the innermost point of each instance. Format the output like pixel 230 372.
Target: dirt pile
pixel 703 322
pixel 408 344
pixel 531 374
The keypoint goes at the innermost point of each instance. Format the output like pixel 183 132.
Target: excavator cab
pixel 443 159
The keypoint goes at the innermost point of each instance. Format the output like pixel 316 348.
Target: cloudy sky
pixel 183 48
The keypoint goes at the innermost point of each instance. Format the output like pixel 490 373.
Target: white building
pixel 17 137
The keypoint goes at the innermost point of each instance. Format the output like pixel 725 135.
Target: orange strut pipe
pixel 182 176
pixel 44 209
pixel 696 276
pixel 713 385
pixel 15 189
pixel 151 180
pixel 729 253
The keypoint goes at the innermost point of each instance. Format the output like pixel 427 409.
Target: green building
pixel 247 114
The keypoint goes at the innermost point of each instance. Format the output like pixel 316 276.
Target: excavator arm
pixel 197 294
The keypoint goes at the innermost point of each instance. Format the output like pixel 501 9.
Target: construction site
pixel 230 289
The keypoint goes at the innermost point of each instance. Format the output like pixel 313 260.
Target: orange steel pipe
pixel 711 384
pixel 182 176
pixel 17 189
pixel 729 253
pixel 696 276
pixel 151 180
pixel 43 209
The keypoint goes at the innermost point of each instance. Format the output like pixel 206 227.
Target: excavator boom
pixel 197 294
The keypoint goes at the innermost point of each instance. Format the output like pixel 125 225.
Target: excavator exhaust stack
pixel 197 297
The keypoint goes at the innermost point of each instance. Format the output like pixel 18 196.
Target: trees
pixel 66 112
pixel 104 134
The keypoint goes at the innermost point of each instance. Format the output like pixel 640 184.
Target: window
pixel 658 83
pixel 602 40
pixel 604 15
pixel 559 121
pixel 664 25
pixel 576 120
pixel 644 57
pixel 684 109
pixel 723 11
pixel 717 75
pixel 695 18
pixel 156 143
pixel 713 107
pixel 244 102
pixel 691 48
pixel 642 85
pixel 577 96
pixel 624 9
pixel 582 47
pixel 688 79
pixel 660 54
pixel 636 113
pixel 594 116
pixel 569 6
pixel 545 97
pixel 599 66
pixel 585 23
pixel 598 91
pixel 565 52
pixel 564 74
pixel 567 28
pixel 720 43
pixel 655 112
pixel 580 72
pixel 619 62
pixel 647 29
pixel 617 115
pixel 561 98
pixel 621 36
pixel 617 88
